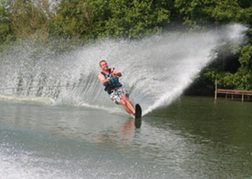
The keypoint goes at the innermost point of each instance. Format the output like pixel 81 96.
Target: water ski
pixel 138 116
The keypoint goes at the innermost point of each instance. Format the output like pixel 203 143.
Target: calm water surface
pixel 192 138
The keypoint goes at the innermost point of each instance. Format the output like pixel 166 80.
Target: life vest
pixel 114 82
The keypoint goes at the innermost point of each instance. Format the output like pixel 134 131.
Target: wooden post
pixel 242 97
pixel 215 95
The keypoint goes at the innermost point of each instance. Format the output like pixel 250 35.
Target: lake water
pixel 194 137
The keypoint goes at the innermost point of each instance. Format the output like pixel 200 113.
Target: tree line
pixel 132 19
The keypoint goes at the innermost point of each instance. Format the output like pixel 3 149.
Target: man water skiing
pixel 118 94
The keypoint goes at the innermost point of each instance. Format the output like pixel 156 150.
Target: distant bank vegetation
pixel 87 20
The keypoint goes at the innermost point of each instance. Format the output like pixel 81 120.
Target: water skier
pixel 118 94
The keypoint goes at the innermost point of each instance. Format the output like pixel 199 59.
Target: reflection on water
pixel 123 135
pixel 192 138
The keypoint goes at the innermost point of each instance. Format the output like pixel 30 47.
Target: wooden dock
pixel 231 92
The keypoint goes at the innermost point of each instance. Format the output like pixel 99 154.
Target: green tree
pixel 197 12
pixel 5 25
pixel 22 18
pixel 135 18
pixel 73 18
pixel 96 18
pixel 28 16
pixel 242 79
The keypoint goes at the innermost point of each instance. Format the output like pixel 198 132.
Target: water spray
pixel 155 70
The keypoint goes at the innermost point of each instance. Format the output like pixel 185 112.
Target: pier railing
pixel 26 90
pixel 231 92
